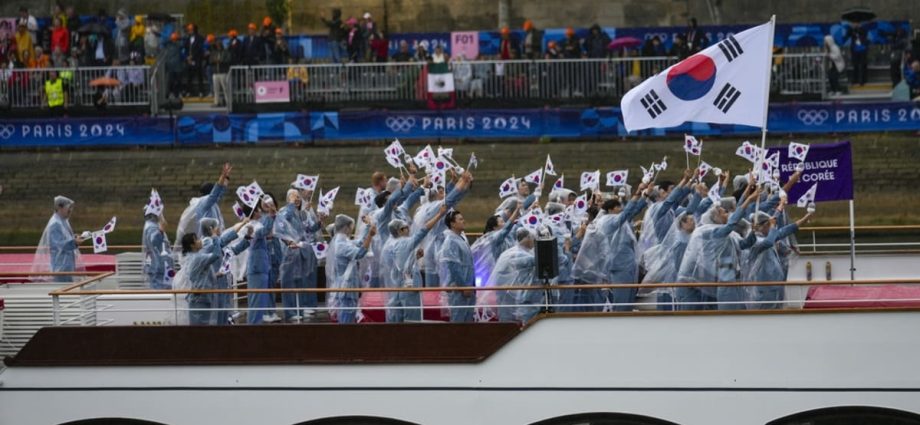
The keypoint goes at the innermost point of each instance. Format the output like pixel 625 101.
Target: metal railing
pixel 554 81
pixel 525 300
pixel 131 86
pixel 333 83
pixel 800 74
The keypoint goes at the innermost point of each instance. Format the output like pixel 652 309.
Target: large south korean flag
pixel 728 83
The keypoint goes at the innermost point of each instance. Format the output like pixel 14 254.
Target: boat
pixel 840 359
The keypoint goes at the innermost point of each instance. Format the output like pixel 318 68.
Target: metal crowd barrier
pixel 25 88
pixel 552 81
pixel 325 83
pixel 800 74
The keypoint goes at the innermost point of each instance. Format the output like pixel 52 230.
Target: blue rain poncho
pixel 435 238
pixel 455 270
pixel 766 266
pixel 399 268
pixel 712 255
pixel 342 270
pixel 57 249
pixel 157 255
pixel 516 267
pixel 200 208
pixel 663 260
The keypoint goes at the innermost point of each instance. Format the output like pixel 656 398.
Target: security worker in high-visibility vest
pixel 54 93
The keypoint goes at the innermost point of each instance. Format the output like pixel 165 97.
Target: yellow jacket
pixel 23 44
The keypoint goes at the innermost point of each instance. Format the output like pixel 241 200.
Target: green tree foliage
pixel 278 10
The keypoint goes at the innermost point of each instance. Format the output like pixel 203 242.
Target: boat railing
pixel 546 298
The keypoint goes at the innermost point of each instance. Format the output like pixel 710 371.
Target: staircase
pixel 877 89
pixel 202 105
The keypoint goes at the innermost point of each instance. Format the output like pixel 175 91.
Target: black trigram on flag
pixel 726 98
pixel 731 48
pixel 653 104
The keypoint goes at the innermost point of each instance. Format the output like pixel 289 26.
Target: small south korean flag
pixel 532 220
pixel 238 211
pixel 692 145
pixel 330 195
pixel 808 197
pixel 320 249
pixel 534 177
pixel 748 151
pixel 474 162
pixel 508 188
pixel 715 193
pixel 394 161
pixel 305 182
pixel 703 170
pixel 446 152
pixel 798 151
pixel 580 206
pixel 549 167
pixel 560 183
pixel 169 273
pixel 617 178
pixel 727 83
pixel 395 149
pixel 590 180
pixel 438 178
pixel 99 244
pixel 249 194
pixel 424 157
pixel 110 226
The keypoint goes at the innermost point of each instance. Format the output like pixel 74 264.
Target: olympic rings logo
pixel 7 131
pixel 400 124
pixel 813 116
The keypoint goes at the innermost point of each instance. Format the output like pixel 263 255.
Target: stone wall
pixel 117 182
pixel 448 15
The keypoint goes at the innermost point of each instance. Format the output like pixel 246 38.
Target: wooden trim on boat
pixel 263 345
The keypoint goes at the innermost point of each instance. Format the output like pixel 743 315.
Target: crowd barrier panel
pixel 552 81
pixel 24 89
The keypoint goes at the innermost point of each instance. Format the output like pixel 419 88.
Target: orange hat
pixel 232 33
pixel 506 31
pixel 528 25
pixel 210 38
pixel 551 44
pixel 569 31
pixel 279 31
pixel 252 26
pixel 266 21
pixel 174 36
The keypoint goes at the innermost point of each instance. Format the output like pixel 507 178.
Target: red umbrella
pixel 624 43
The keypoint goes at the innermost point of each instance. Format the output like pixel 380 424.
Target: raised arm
pixel 217 192
pixel 736 216
pixel 793 179
pixel 456 195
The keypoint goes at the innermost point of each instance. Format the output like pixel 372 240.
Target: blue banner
pixel 525 123
pixel 844 118
pixel 224 128
pixel 430 39
pixel 108 131
pixel 830 166
pixel 493 124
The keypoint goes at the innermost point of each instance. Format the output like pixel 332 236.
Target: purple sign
pixel 830 166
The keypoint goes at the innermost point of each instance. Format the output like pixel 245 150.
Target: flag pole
pixel 766 106
pixel 852 242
